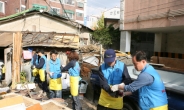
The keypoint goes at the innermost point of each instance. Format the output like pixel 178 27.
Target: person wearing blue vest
pixel 152 93
pixel 41 73
pixel 54 71
pixel 34 62
pixel 112 72
pixel 73 69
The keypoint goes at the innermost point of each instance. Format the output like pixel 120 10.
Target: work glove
pixel 32 67
pixel 116 87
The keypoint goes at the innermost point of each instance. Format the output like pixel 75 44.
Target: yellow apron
pixel 74 85
pixel 42 75
pixel 3 70
pixel 35 72
pixel 110 102
pixel 164 107
pixel 55 84
pixel 41 72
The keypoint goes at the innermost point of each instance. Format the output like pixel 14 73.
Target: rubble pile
pixel 86 69
pixel 89 58
pixel 126 59
pixel 89 48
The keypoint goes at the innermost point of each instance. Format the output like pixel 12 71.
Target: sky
pixel 96 7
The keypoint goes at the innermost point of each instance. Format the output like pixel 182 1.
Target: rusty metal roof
pixel 45 39
pixel 62 40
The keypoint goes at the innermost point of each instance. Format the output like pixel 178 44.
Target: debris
pixel 92 60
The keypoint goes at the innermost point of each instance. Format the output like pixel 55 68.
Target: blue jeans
pixel 32 77
pixel 76 103
pixel 55 94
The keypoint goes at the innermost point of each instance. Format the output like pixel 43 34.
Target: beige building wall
pixel 142 14
pixel 38 23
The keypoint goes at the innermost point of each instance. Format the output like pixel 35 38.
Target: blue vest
pixel 113 75
pixel 153 95
pixel 35 61
pixel 44 66
pixel 75 71
pixel 54 66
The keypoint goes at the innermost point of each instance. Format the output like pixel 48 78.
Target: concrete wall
pixel 41 23
pixel 175 42
pixel 136 9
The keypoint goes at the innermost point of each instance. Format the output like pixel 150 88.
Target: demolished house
pixel 38 30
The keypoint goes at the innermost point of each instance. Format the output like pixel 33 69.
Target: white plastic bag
pixel 65 80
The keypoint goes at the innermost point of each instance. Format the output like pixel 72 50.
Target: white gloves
pixel 114 88
pixel 117 87
pixel 51 73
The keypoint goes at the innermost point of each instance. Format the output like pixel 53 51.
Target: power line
pixel 51 7
pixel 63 9
pixel 66 12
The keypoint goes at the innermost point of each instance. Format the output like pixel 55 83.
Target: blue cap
pixel 109 55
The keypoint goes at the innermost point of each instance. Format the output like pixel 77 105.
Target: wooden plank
pixel 17 52
pixel 11 101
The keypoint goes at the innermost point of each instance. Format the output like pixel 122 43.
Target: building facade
pixel 112 16
pixel 91 21
pixel 163 18
pixel 73 9
pixel 112 13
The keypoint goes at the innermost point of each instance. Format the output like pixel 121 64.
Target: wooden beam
pixel 17 52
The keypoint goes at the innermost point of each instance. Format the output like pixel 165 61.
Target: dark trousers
pixel 76 103
pixel 100 107
pixel 42 84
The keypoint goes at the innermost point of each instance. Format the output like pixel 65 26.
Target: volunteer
pixel 73 69
pixel 152 94
pixel 112 72
pixel 53 69
pixel 41 74
pixel 34 62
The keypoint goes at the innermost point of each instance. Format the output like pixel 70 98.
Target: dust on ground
pixel 86 104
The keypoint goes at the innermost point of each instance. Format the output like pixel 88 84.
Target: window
pixel 57 1
pixel 114 12
pixel 23 7
pixel 79 14
pixel 70 15
pixel 117 12
pixel 69 2
pixel 37 6
pixel 55 10
pixel 2 8
pixel 80 5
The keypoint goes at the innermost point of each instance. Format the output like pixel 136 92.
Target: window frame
pixel 3 7
pixel 56 11
pixel 23 6
pixel 80 5
pixel 77 13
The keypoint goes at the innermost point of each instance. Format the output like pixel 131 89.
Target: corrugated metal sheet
pixel 61 40
pixel 51 40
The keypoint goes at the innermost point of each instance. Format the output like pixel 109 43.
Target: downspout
pixel 122 5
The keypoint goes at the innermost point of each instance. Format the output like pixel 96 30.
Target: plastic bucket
pixel 83 86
